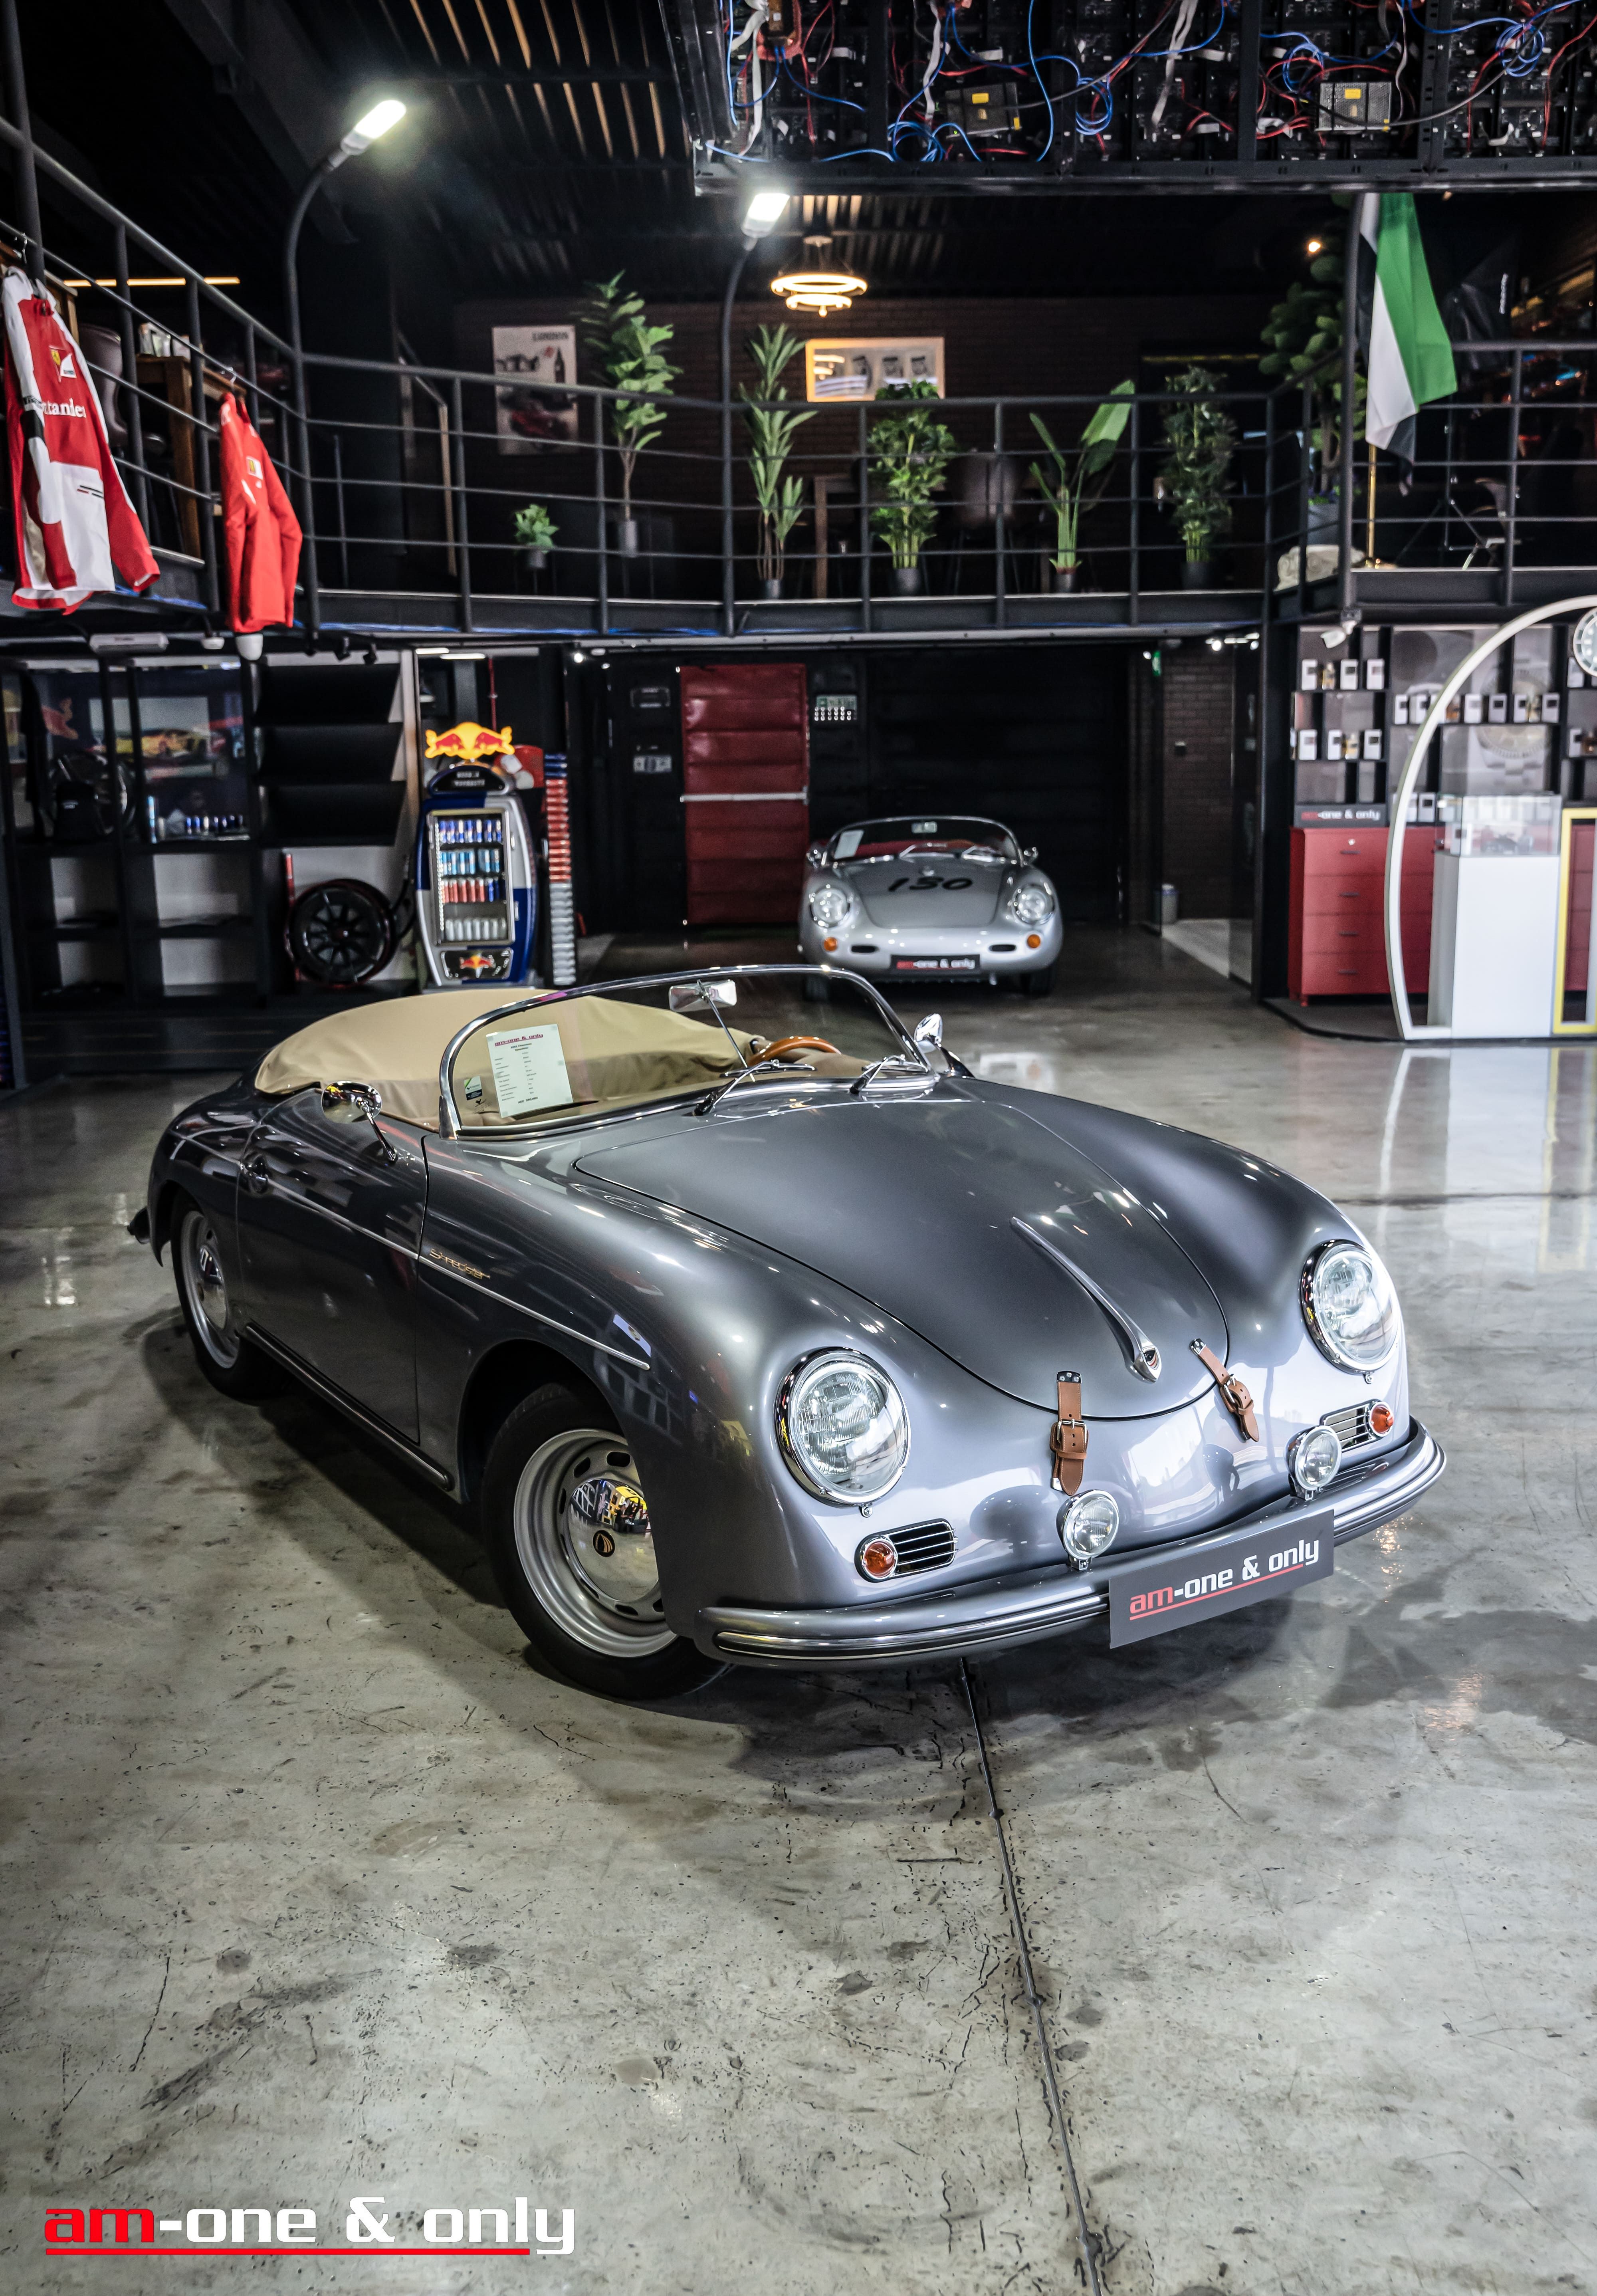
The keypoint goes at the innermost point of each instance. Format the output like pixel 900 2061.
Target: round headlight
pixel 843 1429
pixel 1350 1307
pixel 1088 1524
pixel 829 904
pixel 1313 1459
pixel 1028 905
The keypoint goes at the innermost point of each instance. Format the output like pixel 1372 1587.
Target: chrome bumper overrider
pixel 1032 1603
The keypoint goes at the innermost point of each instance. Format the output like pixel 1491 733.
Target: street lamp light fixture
pixel 371 125
pixel 763 212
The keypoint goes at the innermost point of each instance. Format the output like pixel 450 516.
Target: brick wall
pixel 1198 692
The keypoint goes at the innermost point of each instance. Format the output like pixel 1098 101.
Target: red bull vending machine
pixel 477 888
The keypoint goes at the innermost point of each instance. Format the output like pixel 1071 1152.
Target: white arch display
pixel 1409 1029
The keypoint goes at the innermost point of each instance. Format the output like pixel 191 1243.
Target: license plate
pixel 936 963
pixel 1225 1574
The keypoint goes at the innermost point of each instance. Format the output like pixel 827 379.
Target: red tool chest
pixel 1337 945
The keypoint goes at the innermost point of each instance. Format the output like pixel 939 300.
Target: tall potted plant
pixel 910 453
pixel 1076 480
pixel 779 492
pixel 1200 441
pixel 630 355
pixel 1303 344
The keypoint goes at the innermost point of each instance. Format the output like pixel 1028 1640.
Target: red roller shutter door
pixel 745 747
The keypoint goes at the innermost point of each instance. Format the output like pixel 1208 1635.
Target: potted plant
pixel 1078 478
pixel 535 534
pixel 1200 441
pixel 910 453
pixel 630 355
pixel 780 494
pixel 1303 344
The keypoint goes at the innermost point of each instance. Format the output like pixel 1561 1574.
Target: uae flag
pixel 1409 358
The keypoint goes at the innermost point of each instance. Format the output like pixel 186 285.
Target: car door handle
pixel 258 1175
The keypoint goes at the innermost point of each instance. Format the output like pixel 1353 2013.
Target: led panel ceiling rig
pixel 845 96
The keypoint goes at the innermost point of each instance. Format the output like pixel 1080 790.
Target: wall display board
pixel 859 367
pixel 528 419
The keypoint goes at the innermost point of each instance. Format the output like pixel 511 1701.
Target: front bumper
pixel 1000 1611
pixel 999 950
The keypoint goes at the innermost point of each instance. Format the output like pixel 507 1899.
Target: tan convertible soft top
pixel 620 1051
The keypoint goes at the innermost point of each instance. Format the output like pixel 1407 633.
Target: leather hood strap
pixel 1235 1397
pixel 1068 1439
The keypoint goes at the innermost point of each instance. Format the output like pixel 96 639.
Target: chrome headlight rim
pixel 1085 1547
pixel 1039 903
pixel 807 1368
pixel 838 898
pixel 1322 1339
pixel 1306 1486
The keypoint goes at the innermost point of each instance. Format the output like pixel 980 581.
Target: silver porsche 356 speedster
pixel 756 1340
pixel 948 897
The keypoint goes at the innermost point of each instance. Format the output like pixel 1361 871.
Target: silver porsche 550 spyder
pixel 943 897
pixel 756 1341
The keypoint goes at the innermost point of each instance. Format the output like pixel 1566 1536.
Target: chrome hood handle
pixel 1144 1356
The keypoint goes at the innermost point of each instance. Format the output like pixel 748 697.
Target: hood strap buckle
pixel 1068 1440
pixel 1233 1394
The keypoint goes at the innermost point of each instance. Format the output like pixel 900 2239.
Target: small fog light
pixel 878 1558
pixel 1313 1458
pixel 829 943
pixel 1382 1419
pixel 1088 1524
pixel 1034 940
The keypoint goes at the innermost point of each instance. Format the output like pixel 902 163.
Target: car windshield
pixel 603 1052
pixel 945 833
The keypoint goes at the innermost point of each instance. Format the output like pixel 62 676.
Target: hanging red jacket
pixel 263 534
pixel 76 529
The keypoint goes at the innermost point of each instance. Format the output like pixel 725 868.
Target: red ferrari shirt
pixel 263 534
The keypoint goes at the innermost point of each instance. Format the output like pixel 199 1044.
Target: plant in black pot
pixel 534 537
pixel 1194 480
pixel 778 491
pixel 1078 478
pixel 1303 344
pixel 910 454
pixel 630 355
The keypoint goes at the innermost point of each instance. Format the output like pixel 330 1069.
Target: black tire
pixel 1037 984
pixel 594 1615
pixel 341 932
pixel 232 1363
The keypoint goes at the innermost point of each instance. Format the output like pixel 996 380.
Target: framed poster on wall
pixel 859 367
pixel 528 419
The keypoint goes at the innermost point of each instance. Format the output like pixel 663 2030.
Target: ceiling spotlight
pixel 763 210
pixel 1316 246
pixel 820 288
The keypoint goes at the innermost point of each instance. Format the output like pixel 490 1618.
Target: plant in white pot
pixel 630 355
pixel 910 453
pixel 535 536
pixel 778 491
pixel 1193 481
pixel 1077 478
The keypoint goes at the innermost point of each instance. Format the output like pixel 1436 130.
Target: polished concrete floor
pixel 315 1889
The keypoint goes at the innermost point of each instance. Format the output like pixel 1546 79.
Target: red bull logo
pixel 471 743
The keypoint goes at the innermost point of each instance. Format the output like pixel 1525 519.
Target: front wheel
pixel 230 1361
pixel 568 1528
pixel 1037 984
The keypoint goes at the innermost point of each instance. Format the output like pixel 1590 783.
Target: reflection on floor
pixel 316 1889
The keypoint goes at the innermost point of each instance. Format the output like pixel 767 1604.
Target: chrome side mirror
pixel 699 996
pixel 929 1033
pixel 1029 853
pixel 813 856
pixel 347 1103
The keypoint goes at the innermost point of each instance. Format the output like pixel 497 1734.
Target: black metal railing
pixel 400 471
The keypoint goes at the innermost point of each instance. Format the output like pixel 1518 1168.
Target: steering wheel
pixel 786 1045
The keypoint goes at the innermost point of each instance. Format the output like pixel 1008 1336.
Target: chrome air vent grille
pixel 1351 1425
pixel 928 1547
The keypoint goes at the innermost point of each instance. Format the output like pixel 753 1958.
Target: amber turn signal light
pixel 1034 940
pixel 829 943
pixel 1381 1421
pixel 878 1558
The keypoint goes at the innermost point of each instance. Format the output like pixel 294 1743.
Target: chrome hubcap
pixel 206 1284
pixel 584 1541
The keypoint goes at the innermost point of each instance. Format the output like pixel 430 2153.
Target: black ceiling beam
pixel 550 75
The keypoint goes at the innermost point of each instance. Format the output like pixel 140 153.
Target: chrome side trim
pixel 1144 1355
pixel 332 1393
pixel 440 1268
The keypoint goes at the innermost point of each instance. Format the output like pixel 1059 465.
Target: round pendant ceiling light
pixel 820 287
